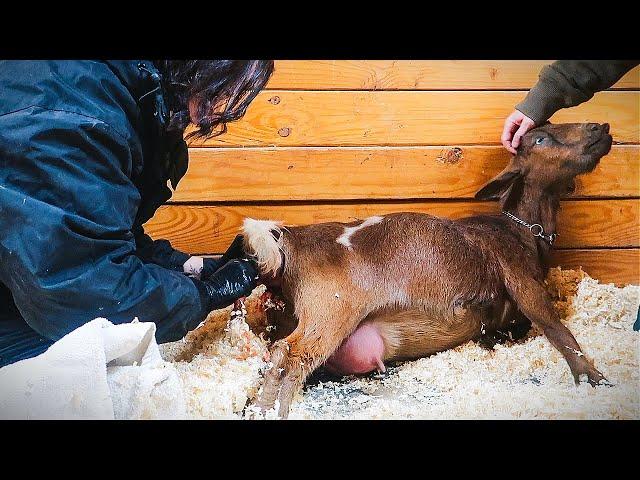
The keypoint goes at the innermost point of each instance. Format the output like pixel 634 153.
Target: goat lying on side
pixel 407 285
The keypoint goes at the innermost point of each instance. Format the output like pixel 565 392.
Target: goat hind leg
pixel 513 326
pixel 316 337
pixel 272 376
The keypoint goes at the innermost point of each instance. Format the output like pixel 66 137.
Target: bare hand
pixel 519 123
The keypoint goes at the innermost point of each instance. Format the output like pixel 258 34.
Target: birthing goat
pixel 407 285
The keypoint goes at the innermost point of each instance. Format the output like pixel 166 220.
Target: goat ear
pixel 497 187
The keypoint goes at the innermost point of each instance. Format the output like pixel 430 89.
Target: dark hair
pixel 222 90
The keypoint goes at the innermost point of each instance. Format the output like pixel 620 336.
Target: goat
pixel 407 285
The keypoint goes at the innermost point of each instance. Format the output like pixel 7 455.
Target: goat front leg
pixel 318 334
pixel 534 301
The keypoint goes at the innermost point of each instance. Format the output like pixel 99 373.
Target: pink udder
pixel 362 352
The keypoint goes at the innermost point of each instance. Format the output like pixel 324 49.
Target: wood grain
pixel 333 140
pixel 619 266
pixel 415 75
pixel 306 173
pixel 326 118
pixel 210 229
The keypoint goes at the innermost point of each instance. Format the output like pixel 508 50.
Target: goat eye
pixel 539 140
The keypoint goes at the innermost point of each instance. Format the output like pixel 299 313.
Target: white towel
pixel 98 371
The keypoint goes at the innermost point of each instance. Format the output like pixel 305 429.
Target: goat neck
pixel 535 204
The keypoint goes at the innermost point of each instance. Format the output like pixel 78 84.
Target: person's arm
pixel 159 252
pixel 564 83
pixel 567 83
pixel 68 253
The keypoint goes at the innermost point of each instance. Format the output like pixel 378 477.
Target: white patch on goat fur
pixel 577 352
pixel 345 238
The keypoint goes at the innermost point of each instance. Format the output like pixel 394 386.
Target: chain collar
pixel 535 229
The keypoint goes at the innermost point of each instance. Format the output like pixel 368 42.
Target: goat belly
pixel 362 352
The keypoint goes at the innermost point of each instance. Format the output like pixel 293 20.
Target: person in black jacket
pixel 87 149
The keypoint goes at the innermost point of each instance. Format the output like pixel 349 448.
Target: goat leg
pixel 302 360
pixel 318 334
pixel 291 383
pixel 534 301
pixel 516 329
pixel 279 354
pixel 287 374
pixel 281 380
pixel 561 338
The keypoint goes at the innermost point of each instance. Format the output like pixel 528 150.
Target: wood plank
pixel 297 118
pixel 307 173
pixel 619 266
pixel 209 229
pixel 415 75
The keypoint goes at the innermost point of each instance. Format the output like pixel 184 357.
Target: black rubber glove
pixel 209 267
pixel 237 278
pixel 235 251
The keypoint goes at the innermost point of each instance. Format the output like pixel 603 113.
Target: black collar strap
pixel 536 229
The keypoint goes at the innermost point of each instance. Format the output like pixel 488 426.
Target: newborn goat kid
pixel 407 285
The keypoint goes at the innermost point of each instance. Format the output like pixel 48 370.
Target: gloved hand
pixel 235 251
pixel 209 266
pixel 237 278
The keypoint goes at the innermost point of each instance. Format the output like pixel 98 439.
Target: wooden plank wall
pixel 338 140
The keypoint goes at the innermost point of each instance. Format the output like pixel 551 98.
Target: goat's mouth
pixel 594 151
pixel 605 141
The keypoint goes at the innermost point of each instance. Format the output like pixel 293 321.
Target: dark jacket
pixel 84 162
pixel 567 83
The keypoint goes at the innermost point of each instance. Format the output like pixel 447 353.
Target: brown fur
pixel 430 283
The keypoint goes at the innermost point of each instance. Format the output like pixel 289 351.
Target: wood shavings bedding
pixel 525 380
pixel 220 363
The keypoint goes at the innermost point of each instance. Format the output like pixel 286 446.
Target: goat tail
pixel 263 240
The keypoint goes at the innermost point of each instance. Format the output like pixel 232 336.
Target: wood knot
pixel 275 100
pixel 451 155
pixel 284 131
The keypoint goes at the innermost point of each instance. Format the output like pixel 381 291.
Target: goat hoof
pixel 261 411
pixel 594 378
pixel 604 382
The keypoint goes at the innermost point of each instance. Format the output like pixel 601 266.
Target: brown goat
pixel 408 285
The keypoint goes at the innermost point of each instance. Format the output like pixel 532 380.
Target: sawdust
pixel 220 363
pixel 562 285
pixel 221 370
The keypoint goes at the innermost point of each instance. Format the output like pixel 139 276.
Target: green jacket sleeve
pixel 567 83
